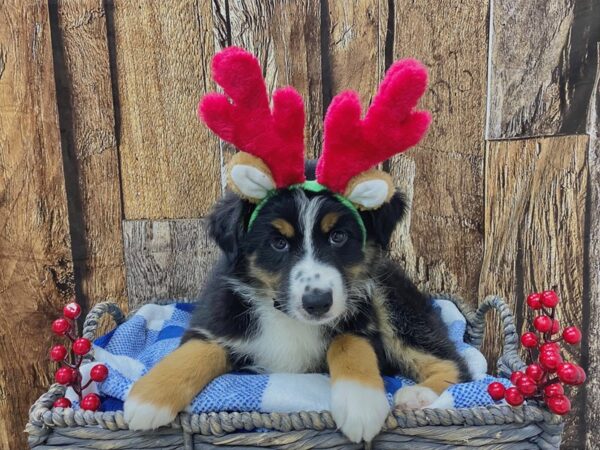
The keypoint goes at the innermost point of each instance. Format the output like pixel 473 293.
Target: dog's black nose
pixel 317 302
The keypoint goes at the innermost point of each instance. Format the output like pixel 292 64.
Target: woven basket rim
pixel 43 415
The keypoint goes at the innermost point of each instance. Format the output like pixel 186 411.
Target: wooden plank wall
pixel 446 225
pixel 538 194
pixel 89 143
pixel 592 274
pixel 106 175
pixel 36 270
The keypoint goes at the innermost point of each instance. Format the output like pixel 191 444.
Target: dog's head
pixel 304 245
pixel 305 251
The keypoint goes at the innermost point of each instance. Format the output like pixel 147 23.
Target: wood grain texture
pixel 170 164
pixel 592 282
pixel 286 38
pixel 543 63
pixel 91 160
pixel 445 248
pixel 357 34
pixel 35 256
pixel 166 259
pixel 535 234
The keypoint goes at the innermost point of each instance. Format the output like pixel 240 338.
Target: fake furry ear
pixel 227 223
pixel 370 189
pixel 249 177
pixel 382 222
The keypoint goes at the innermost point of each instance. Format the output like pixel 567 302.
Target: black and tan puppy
pixel 300 292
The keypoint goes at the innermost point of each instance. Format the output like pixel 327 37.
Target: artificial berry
pixel 542 323
pixel 549 347
pixel 555 326
pixel 549 299
pixel 559 404
pixel 72 311
pixel 581 376
pixel 514 377
pixel 58 353
pixel 553 390
pixel 568 373
pixel 64 375
pixel 74 374
pixel 62 403
pixel 571 335
pixel 534 301
pixel 496 390
pixel 61 326
pixel 513 397
pixel 535 372
pixel 99 373
pixel 550 360
pixel 81 346
pixel 90 402
pixel 529 340
pixel 526 386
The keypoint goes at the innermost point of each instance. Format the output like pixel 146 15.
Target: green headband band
pixel 313 186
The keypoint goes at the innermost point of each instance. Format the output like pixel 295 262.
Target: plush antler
pixel 276 137
pixel 353 145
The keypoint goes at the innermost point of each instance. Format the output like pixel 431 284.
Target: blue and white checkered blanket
pixel 155 330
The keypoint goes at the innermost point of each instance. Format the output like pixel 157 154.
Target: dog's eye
pixel 338 238
pixel 280 244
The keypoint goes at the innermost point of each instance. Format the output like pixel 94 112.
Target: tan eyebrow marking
pixel 329 221
pixel 284 227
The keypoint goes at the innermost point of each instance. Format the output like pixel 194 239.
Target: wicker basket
pixel 492 427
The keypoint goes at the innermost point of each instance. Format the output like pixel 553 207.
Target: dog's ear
pixel 227 223
pixel 370 189
pixel 381 222
pixel 249 177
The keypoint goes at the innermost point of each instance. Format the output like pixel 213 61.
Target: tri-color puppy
pixel 304 283
pixel 300 292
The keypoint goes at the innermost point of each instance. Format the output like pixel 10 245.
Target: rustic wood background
pixel 105 173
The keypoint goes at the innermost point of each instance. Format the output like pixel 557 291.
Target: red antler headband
pixel 271 138
pixel 275 137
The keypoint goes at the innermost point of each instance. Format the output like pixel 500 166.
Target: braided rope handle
pixel 509 361
pixel 90 325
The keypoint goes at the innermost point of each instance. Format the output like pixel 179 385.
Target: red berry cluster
pixel 545 378
pixel 69 374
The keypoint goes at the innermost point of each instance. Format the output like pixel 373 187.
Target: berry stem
pixel 68 364
pixel 548 382
pixel 548 334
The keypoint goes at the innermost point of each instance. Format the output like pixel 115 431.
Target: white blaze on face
pixel 309 274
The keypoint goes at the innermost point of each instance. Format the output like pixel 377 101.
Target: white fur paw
pixel 358 410
pixel 414 397
pixel 141 415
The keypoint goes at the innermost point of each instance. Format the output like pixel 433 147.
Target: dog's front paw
pixel 414 397
pixel 358 410
pixel 145 408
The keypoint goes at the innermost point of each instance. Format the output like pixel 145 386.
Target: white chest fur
pixel 284 344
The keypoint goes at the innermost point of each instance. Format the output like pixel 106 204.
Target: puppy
pixel 301 290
